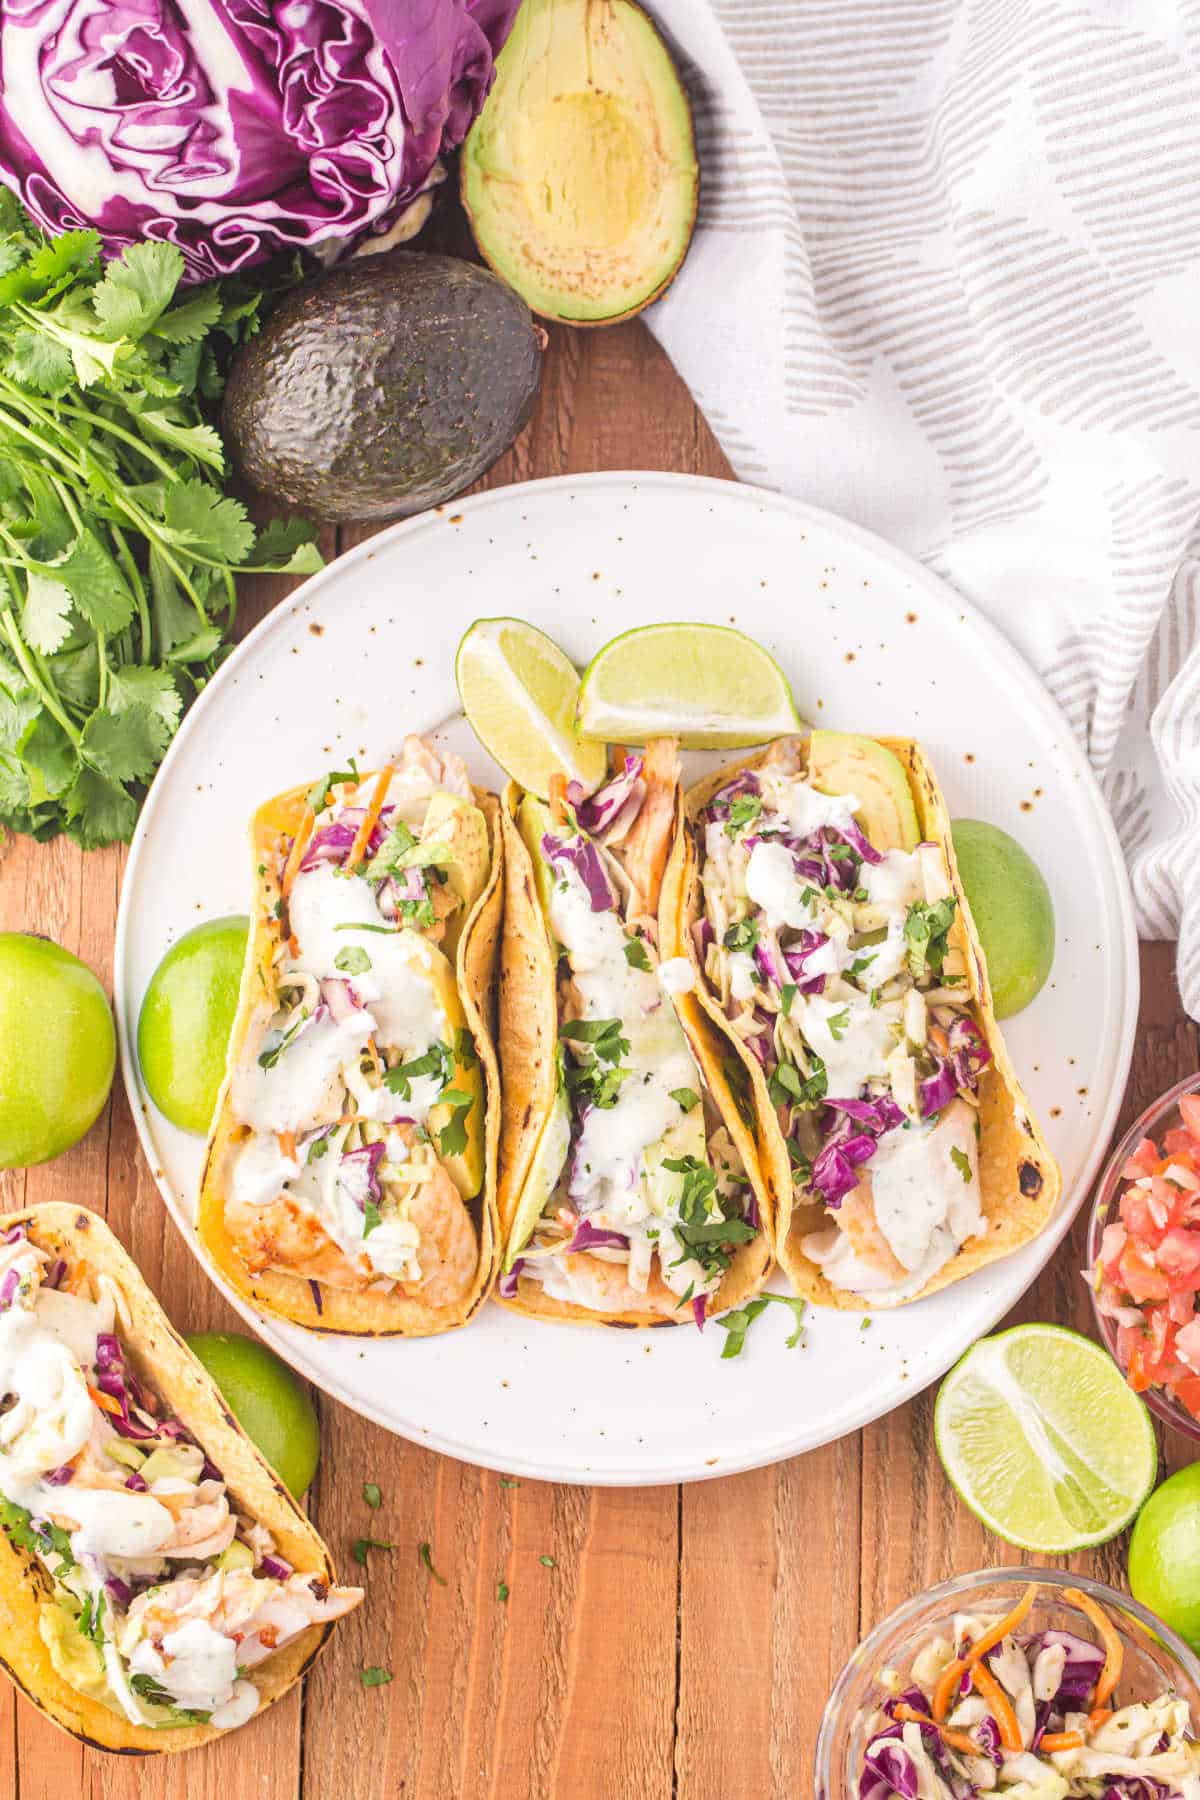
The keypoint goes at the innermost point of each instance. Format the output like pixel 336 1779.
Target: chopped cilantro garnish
pixel 506 1482
pixel 318 794
pixel 386 860
pixel 452 1138
pixel 604 1036
pixel 742 936
pixel 962 1163
pixel 268 1058
pixel 925 933
pixel 360 1546
pixel 737 1324
pixel 372 1216
pixel 838 1024
pixel 743 812
pixel 318 1148
pixel 375 1677
pixel 636 955
pixel 372 1495
pixel 860 963
pixel 464 1048
pixel 686 1097
pixel 839 852
pixel 787 994
pixel 502 1591
pixel 425 1555
pixel 788 1087
pixel 547 1562
pixel 435 1061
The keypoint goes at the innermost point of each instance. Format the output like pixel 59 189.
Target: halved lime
pixel 1043 1440
pixel 518 691
pixel 712 687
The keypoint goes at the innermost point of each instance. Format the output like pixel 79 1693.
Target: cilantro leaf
pixel 288 546
pixel 926 935
pixel 353 960
pixel 98 811
pixel 360 1547
pixel 373 1495
pixel 742 813
pixel 45 616
pixel 151 689
pixel 40 363
pixel 188 320
pixel 138 285
pixel 125 746
pixel 375 1677
pixel 196 516
pixel 93 579
pixel 742 936
pixel 688 1098
pixel 636 955
pixel 962 1163
pixel 425 1555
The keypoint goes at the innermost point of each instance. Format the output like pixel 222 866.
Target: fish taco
pixel 630 1192
pixel 158 1585
pixel 815 891
pixel 350 1177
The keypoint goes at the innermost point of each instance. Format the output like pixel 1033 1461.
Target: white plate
pixel 872 642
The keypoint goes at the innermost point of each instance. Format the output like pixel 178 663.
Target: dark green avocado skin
pixel 382 387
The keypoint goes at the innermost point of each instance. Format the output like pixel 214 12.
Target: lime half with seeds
pixel 710 686
pixel 1043 1440
pixel 518 691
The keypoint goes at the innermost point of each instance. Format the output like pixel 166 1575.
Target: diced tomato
pixel 1179 1143
pixel 1189 1106
pixel 1143 1161
pixel 1138 1363
pixel 1187 1392
pixel 1181 1307
pixel 1112 1243
pixel 1187 1346
pixel 1143 1215
pixel 1139 1277
pixel 1178 1257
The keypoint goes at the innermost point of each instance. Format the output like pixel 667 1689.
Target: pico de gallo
pixel 1146 1276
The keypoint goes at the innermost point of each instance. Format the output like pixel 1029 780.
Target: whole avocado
pixel 382 387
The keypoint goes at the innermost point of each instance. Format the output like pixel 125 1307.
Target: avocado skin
pixel 383 387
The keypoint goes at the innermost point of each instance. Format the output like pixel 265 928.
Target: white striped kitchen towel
pixel 946 282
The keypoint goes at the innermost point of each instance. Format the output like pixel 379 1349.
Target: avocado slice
pixel 580 176
pixel 74 1657
pixel 454 839
pixel 841 763
pixel 465 1167
pixel 549 1159
pixel 534 820
pixel 383 387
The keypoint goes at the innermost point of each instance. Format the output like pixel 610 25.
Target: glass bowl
pixel 1156 1119
pixel 1155 1659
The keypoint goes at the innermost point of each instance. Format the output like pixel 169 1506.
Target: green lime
pixel 269 1403
pixel 1011 905
pixel 1043 1440
pixel 58 1049
pixel 710 686
pixel 518 691
pixel 185 1021
pixel 1164 1554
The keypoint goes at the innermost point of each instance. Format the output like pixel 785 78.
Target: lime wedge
pixel 518 691
pixel 710 686
pixel 1043 1440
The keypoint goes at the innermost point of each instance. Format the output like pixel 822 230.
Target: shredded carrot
pixel 287 1144
pixel 1098 1717
pixel 375 1057
pixel 939 1040
pixel 1000 1706
pixel 370 818
pixel 957 1740
pixel 296 853
pixel 1114 1654
pixel 105 1402
pixel 558 799
pixel 1061 1740
pixel 954 1671
pixel 80 1278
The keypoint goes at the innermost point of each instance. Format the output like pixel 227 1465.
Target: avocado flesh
pixel 533 822
pixel 457 830
pixel 466 1167
pixel 841 763
pixel 383 387
pixel 549 1160
pixel 580 175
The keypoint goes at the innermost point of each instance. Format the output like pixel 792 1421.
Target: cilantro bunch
pixel 118 545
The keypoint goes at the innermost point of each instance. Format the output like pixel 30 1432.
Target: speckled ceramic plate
pixel 871 642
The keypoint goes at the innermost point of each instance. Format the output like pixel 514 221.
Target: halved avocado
pixel 839 762
pixel 580 175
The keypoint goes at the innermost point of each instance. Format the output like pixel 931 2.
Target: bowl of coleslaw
pixel 1143 1256
pixel 1034 1683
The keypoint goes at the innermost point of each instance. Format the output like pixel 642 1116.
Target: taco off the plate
pixel 815 891
pixel 350 1177
pixel 158 1585
pixel 630 1191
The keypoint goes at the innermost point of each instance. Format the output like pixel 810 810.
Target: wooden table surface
pixel 683 1640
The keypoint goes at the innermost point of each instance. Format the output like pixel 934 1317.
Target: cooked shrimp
pixel 285 1236
pixel 604 1285
pixel 448 1250
pixel 856 1217
pixel 646 847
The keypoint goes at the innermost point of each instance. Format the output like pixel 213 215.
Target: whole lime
pixel 270 1404
pixel 186 1018
pixel 58 1049
pixel 1164 1554
pixel 1011 905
